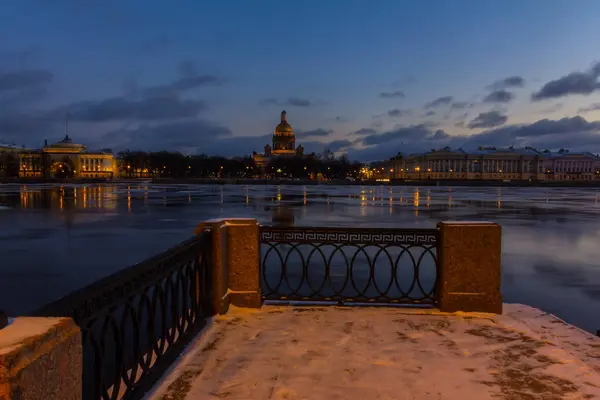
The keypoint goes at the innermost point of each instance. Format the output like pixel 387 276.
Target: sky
pixel 368 78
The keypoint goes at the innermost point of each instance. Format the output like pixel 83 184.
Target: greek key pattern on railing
pixel 349 265
pixel 340 235
pixel 136 322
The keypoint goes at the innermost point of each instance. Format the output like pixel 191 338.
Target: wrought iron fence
pixel 349 265
pixel 137 321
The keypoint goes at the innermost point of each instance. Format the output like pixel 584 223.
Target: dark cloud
pixel 296 101
pixel 292 101
pixel 459 105
pixel 574 133
pixel 24 79
pixel 365 131
pixel 396 112
pixel 563 126
pixel 200 137
pixel 17 99
pixel 439 135
pixel 412 132
pixel 189 79
pixel 583 83
pixel 507 83
pixel 316 132
pixel 190 135
pixel 499 96
pixel 488 119
pixel 591 107
pixel 120 108
pixel 392 95
pixel 336 145
pixel 551 109
pixel 440 101
pixel 23 128
pixel 19 91
pixel 429 114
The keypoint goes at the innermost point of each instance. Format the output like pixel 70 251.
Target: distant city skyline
pixel 368 78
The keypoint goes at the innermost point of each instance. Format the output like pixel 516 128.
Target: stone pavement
pixel 286 352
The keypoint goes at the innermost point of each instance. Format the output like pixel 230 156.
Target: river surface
pixel 55 239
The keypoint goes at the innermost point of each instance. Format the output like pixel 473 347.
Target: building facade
pixel 65 160
pixel 283 144
pixel 491 163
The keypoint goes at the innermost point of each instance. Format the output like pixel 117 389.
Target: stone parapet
pixel 235 262
pixel 469 267
pixel 41 358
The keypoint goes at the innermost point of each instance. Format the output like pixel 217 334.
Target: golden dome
pixel 284 128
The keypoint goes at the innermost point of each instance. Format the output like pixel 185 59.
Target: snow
pixel 312 352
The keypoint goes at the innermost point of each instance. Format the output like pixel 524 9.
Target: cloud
pixel 459 105
pixel 440 101
pixel 190 134
pixel 507 83
pixel 429 113
pixel 316 132
pixel 200 136
pixel 583 83
pixel 488 119
pixel 337 145
pixel 439 135
pixel 396 112
pixel 17 99
pixel 189 79
pixel 291 101
pixel 412 132
pixel 553 108
pixel 24 79
pixel 392 95
pixel 591 107
pixel 364 131
pixel 120 108
pixel 498 96
pixel 574 133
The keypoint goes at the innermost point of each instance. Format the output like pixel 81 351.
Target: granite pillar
pixel 469 267
pixel 219 275
pixel 235 262
pixel 41 358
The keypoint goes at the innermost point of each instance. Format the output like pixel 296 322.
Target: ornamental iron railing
pixel 349 265
pixel 137 321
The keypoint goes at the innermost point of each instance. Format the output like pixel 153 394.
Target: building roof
pixel 284 127
pixel 521 151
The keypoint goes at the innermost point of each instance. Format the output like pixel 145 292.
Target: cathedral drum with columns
pixel 284 144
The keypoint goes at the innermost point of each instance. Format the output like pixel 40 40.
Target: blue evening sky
pixel 195 75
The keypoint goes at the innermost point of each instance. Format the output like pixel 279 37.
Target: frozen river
pixel 54 240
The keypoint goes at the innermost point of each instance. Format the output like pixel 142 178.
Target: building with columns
pixel 491 163
pixel 66 160
pixel 283 144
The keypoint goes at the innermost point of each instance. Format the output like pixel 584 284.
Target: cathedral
pixel 284 144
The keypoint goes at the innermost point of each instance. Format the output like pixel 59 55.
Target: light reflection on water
pixel 54 239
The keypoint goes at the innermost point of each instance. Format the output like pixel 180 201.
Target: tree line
pixel 176 165
pixel 165 164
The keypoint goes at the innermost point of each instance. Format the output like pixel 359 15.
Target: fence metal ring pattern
pixel 137 325
pixel 281 244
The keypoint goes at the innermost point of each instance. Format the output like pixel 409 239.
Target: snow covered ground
pixel 311 352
